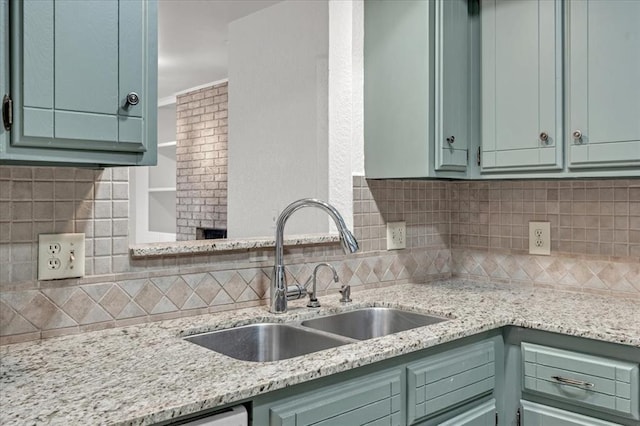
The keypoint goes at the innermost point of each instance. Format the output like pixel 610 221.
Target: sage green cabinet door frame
pixel 521 85
pixel 452 84
pixel 72 65
pixel 603 90
pixel 4 64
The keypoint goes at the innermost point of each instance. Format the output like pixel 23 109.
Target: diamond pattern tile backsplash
pixel 48 312
pixel 464 229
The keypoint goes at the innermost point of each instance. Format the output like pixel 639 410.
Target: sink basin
pixel 368 323
pixel 266 342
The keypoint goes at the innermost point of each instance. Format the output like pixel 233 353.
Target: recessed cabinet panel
pixel 603 93
pixel 374 399
pixel 38 55
pixel 452 74
pixel 521 85
pixel 82 42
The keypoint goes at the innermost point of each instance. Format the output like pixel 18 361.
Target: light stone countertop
pixel 218 245
pixel 146 373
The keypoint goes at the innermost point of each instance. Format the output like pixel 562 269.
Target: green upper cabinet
pixel 416 79
pixel 603 94
pixel 521 67
pixel 452 84
pixel 4 67
pixel 83 82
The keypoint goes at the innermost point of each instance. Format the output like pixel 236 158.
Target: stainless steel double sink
pixel 263 342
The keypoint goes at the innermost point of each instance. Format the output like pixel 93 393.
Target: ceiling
pixel 192 40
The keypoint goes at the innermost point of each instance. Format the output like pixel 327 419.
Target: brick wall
pixel 201 160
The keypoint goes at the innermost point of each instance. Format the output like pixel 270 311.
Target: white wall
pixel 346 131
pixel 278 117
pixel 288 139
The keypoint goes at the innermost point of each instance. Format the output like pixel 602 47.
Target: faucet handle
pixel 345 290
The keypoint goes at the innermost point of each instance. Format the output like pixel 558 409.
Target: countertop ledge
pixel 212 246
pixel 143 374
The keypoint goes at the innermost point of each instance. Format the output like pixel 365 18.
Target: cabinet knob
pixel 544 137
pixel 577 136
pixel 132 99
pixel 451 139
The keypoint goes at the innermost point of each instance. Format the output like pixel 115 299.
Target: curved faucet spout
pixel 278 280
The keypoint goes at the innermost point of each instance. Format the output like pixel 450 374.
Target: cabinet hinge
pixel 7 112
pixel 478 156
pixel 518 418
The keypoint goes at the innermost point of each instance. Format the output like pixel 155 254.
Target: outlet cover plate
pixel 396 235
pixel 60 256
pixel 540 238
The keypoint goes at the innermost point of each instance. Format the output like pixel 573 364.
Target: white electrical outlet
pixel 60 256
pixel 540 238
pixel 396 235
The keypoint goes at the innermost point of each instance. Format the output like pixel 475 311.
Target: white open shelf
pixel 166 189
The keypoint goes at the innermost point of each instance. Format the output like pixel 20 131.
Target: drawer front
pixel 369 401
pixel 595 382
pixel 541 415
pixel 482 415
pixel 449 379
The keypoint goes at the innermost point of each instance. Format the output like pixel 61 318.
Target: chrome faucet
pixel 279 289
pixel 313 295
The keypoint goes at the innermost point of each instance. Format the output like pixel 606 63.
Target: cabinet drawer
pixel 482 415
pixel 536 414
pixel 595 382
pixel 449 379
pixel 373 400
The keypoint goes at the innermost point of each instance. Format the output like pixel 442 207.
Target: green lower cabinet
pixel 542 415
pixel 589 381
pixel 449 379
pixel 453 384
pixel 375 399
pixel 558 380
pixel 513 376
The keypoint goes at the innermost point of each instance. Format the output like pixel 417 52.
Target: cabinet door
pixel 452 74
pixel 74 63
pixel 521 85
pixel 441 382
pixel 542 415
pixel 371 400
pixel 604 94
pixel 398 116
